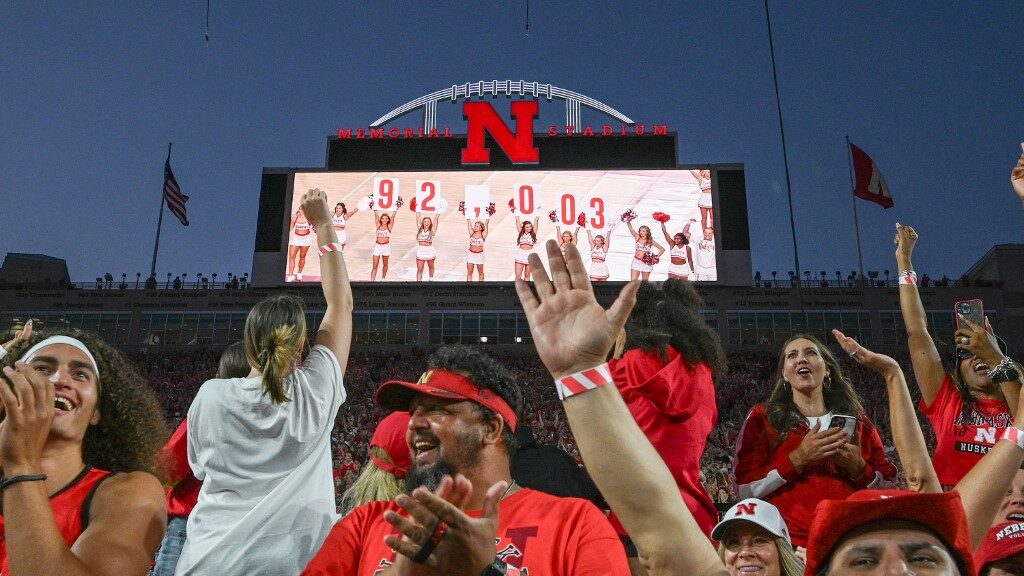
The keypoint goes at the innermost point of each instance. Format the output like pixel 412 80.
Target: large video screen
pixel 473 225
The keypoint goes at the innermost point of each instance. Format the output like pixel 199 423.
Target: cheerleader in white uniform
pixel 598 254
pixel 526 240
pixel 382 246
pixel 705 258
pixel 707 214
pixel 680 255
pixel 302 238
pixel 475 257
pixel 641 266
pixel 339 218
pixel 425 252
pixel 566 238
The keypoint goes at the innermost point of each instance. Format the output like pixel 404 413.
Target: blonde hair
pixel 789 564
pixel 275 332
pixel 372 485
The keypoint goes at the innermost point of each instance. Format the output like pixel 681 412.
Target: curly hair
pixel 670 315
pixel 486 373
pixel 839 394
pixel 131 430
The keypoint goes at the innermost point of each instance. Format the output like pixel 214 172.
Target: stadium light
pixel 483 339
pixel 519 339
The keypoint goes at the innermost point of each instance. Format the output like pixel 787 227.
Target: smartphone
pixel 970 309
pixel 848 424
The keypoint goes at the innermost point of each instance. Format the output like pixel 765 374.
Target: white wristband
pixel 331 247
pixel 583 381
pixel 1013 434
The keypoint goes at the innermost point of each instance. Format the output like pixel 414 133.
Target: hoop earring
pixel 828 382
pixel 786 385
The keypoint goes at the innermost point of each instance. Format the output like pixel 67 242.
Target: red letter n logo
pixel 748 509
pixel 481 117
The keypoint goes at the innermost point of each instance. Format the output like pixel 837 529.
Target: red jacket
pixel 674 404
pixel 182 498
pixel 764 470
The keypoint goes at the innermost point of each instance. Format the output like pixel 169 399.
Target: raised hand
pixel 880 363
pixel 571 331
pixel 19 336
pixel 980 342
pixel 28 415
pixel 314 206
pixel 850 459
pixel 466 544
pixel 817 444
pixel 906 238
pixel 1017 176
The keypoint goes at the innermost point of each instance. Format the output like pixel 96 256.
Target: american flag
pixel 172 194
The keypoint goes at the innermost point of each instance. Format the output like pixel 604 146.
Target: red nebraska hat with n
pixel 941 513
pixel 446 384
pixel 1002 541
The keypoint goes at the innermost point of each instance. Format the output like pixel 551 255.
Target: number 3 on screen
pixel 428 192
pixel 385 190
pixel 595 211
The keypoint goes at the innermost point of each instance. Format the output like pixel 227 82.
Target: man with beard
pixel 464 410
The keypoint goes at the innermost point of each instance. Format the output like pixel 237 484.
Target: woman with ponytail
pixel 261 445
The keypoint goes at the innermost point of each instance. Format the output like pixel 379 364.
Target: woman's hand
pixel 817 444
pixel 1017 176
pixel 884 365
pixel 850 459
pixel 980 342
pixel 906 238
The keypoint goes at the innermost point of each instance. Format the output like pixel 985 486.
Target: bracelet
pixel 583 381
pixel 331 247
pixel 1013 434
pixel 908 277
pixel 500 568
pixel 7 482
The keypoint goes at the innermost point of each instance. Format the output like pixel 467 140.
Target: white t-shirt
pixel 267 501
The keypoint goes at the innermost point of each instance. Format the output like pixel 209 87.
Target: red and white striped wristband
pixel 1013 434
pixel 583 381
pixel 331 247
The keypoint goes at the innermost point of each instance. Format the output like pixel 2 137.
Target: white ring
pixel 965 340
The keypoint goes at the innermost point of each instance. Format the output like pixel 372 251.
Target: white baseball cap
pixel 757 511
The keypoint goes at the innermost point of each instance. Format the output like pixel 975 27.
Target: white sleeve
pixel 763 487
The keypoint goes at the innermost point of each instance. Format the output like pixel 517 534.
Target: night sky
pixel 92 92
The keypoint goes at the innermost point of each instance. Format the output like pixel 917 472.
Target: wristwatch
pixel 1006 371
pixel 500 568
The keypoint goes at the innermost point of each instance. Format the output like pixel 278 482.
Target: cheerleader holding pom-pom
pixel 475 257
pixel 339 218
pixel 526 240
pixel 644 257
pixel 599 248
pixel 680 253
pixel 426 254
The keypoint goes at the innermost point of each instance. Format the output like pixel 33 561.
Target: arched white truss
pixel 573 100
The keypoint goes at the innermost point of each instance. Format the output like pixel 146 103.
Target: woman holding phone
pixel 966 407
pixel 792 450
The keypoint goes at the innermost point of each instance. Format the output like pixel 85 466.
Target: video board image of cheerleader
pixel 482 225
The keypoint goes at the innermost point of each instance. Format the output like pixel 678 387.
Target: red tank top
pixel 70 507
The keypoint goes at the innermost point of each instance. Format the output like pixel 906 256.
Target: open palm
pixel 571 330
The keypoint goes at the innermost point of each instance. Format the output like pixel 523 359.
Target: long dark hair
pixel 275 332
pixel 131 430
pixel 670 315
pixel 840 396
pixel 532 232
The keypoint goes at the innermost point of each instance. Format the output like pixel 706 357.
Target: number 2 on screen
pixel 427 194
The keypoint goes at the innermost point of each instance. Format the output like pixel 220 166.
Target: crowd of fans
pixel 177 376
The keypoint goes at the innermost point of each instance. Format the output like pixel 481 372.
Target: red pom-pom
pixel 412 204
pixel 582 220
pixel 512 205
pixel 399 203
pixel 552 216
pixel 650 258
pixel 661 217
pixel 462 206
pixel 628 216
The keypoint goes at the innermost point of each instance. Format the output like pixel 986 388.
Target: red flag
pixel 870 185
pixel 172 193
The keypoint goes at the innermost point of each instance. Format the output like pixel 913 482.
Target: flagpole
pixel 782 133
pixel 856 221
pixel 160 219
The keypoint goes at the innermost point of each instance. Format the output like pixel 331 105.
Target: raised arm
pixel 391 224
pixel 335 331
pixel 487 228
pixel 469 226
pixel 906 431
pixel 629 224
pixel 574 333
pixel 664 230
pixel 686 229
pixel 924 357
pixel 1017 176
pixel 590 238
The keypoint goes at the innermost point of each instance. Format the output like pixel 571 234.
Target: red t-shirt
pixel 182 498
pixel 674 404
pixel 960 445
pixel 542 534
pixel 70 507
pixel 763 470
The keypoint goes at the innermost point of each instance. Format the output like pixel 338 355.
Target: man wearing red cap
pixel 464 410
pixel 1002 551
pixel 890 531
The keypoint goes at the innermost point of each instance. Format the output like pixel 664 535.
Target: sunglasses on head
pixel 962 354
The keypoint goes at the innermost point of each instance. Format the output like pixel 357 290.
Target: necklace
pixel 511 484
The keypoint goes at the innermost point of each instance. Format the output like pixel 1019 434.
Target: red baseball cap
pixel 1002 541
pixel 397 395
pixel 390 437
pixel 941 513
